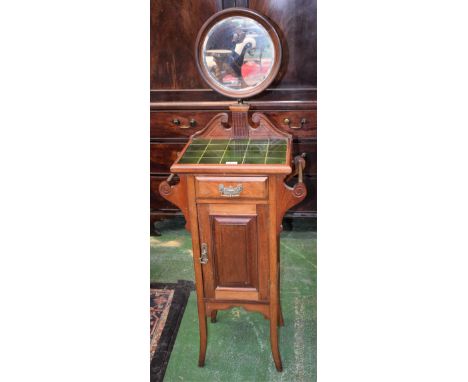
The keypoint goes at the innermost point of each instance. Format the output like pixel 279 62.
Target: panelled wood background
pixel 179 93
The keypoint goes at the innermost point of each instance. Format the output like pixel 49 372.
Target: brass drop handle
pixel 204 254
pixel 192 123
pixel 287 121
pixel 230 191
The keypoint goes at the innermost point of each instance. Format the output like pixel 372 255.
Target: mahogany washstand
pixel 232 174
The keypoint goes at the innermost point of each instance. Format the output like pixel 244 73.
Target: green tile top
pixel 235 151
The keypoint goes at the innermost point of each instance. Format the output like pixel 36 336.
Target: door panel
pixel 235 251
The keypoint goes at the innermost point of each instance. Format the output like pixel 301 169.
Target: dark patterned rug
pixel 167 306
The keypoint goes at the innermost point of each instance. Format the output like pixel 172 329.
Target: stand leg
pixel 274 344
pixel 203 335
pixel 280 311
pixel 213 316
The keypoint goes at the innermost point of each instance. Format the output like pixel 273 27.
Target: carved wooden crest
pixel 239 127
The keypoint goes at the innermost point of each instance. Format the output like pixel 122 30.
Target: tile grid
pixel 221 160
pixel 204 151
pixel 256 151
pixel 245 152
pixel 267 152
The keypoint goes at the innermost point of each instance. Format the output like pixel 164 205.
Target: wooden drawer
pixel 162 125
pixel 307 130
pixel 163 155
pixel 229 187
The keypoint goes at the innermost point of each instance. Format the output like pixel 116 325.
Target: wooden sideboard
pixel 182 104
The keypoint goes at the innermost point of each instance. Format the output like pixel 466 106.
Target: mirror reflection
pixel 238 53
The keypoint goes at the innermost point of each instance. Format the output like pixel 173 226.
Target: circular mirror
pixel 238 52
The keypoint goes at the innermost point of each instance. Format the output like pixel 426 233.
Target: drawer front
pixel 228 187
pixel 308 129
pixel 163 155
pixel 163 126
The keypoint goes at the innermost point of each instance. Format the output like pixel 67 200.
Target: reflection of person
pixel 232 39
pixel 238 37
pixel 237 59
pixel 226 36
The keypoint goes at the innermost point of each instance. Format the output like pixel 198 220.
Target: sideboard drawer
pixel 307 129
pixel 176 124
pixel 218 187
pixel 163 155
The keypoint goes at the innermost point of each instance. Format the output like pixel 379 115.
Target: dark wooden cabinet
pixel 182 103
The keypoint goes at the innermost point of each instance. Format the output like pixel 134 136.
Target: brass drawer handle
pixel 204 254
pixel 230 191
pixel 192 123
pixel 287 121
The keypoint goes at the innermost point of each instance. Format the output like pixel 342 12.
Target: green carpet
pixel 238 343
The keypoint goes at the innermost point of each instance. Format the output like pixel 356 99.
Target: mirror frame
pixel 206 28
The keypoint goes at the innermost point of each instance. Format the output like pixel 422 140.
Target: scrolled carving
pixel 299 190
pixel 216 127
pixel 165 188
pixel 288 197
pixel 177 195
pixel 265 128
pixel 224 118
pixel 256 117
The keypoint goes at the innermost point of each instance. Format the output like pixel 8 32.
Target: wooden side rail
pixel 290 196
pixel 177 194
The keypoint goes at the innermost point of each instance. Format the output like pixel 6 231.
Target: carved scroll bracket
pixel 265 128
pixel 290 196
pixel 215 128
pixel 177 194
pixel 239 127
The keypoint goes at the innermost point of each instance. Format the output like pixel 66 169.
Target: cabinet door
pixel 233 238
